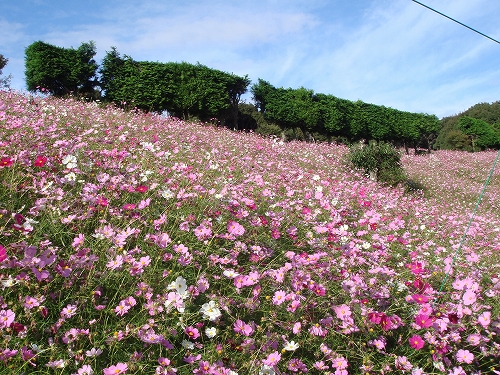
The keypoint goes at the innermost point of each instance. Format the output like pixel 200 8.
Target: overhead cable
pixel 454 20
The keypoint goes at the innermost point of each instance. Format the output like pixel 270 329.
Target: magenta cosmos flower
pixel 3 253
pixel 141 188
pixel 40 161
pixel 6 162
pixel 416 342
pixel 192 332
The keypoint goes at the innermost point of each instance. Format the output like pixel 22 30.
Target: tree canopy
pixel 184 90
pixel 4 82
pixel 61 71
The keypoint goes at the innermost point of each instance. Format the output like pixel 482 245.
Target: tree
pixel 61 71
pixel 481 134
pixel 4 82
pixel 262 91
pixel 236 86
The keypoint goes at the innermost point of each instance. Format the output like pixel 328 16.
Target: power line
pixel 454 20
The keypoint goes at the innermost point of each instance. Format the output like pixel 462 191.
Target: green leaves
pixel 481 134
pixel 61 71
pixel 185 90
pixel 378 160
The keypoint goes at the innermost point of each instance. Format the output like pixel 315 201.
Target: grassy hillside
pixel 135 244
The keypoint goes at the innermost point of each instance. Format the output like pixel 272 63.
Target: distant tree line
pixel 475 129
pixel 194 91
pixel 301 111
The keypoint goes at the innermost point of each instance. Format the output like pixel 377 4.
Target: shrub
pixel 380 161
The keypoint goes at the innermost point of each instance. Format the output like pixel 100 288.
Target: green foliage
pixel 327 116
pixel 454 136
pixel 250 118
pixel 185 90
pixel 481 134
pixel 378 160
pixel 61 71
pixel 4 82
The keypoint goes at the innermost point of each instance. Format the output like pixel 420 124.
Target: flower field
pixel 135 244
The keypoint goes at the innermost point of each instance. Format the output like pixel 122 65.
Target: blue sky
pixel 392 52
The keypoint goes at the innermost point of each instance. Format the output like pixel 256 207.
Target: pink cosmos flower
pixel 272 359
pixel 6 318
pixel 464 356
pixel 102 201
pixel 141 188
pixel 342 311
pixel 235 229
pixel 241 327
pixel 68 311
pixel 340 363
pixel 423 321
pixel 469 297
pixel 402 363
pixel 119 368
pixel 296 328
pixel 416 342
pixel 279 297
pixel 317 330
pixel 484 319
pixel 6 162
pixel 77 241
pixel 420 299
pixel 192 332
pixel 30 302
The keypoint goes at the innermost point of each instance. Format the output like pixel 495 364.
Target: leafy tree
pixel 184 90
pixel 334 116
pixel 236 86
pixel 4 82
pixel 262 91
pixel 481 134
pixel 61 71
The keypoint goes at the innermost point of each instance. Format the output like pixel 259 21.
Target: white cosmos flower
pixel 266 370
pixel 180 285
pixel 69 161
pixel 211 332
pixel 210 311
pixel 187 344
pixel 230 273
pixel 291 346
pixel 70 176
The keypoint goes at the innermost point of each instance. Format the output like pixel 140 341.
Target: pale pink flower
pixel 6 318
pixel 469 297
pixel 30 302
pixel 243 328
pixel 484 319
pixel 279 297
pixel 68 311
pixel 78 241
pixel 342 311
pixel 272 359
pixel 235 229
pixel 464 356
pixel 119 368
